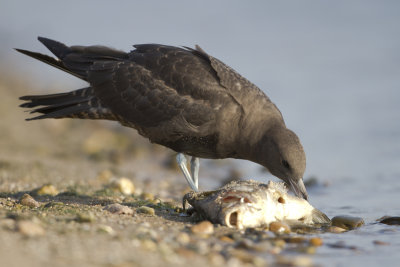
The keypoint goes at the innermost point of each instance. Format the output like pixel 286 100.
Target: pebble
pixel 85 217
pixel 8 224
pixel 186 253
pixel 280 243
pixel 204 227
pixel 336 229
pixel 342 245
pixel 300 261
pixel 246 257
pixel 316 241
pixel 380 243
pixel 226 239
pixel 279 228
pixel 123 185
pixel 183 238
pixel 29 201
pixel 100 141
pixel 105 176
pixel 391 220
pixel 149 245
pixel 347 222
pixel 30 229
pixel 296 240
pixel 118 209
pixel 147 196
pixel 216 259
pixel 48 189
pixel 146 210
pixel 106 229
pixel 262 246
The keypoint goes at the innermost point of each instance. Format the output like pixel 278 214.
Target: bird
pixel 178 97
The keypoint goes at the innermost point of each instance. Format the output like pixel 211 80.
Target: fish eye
pixel 285 164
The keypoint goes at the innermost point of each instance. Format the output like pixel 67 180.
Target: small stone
pixel 183 238
pixel 243 255
pixel 316 241
pixel 106 229
pixel 390 220
pixel 149 245
pixel 226 239
pixel 263 246
pixel 30 229
pixel 204 227
pixel 336 229
pixel 279 228
pixel 185 253
pixel 166 251
pixel 118 209
pixel 347 222
pixel 105 176
pixel 300 261
pixel 245 244
pixel 147 196
pixel 233 262
pixel 29 201
pixel 342 245
pixel 7 223
pixel 280 243
pixel 48 189
pixel 85 217
pixel 380 243
pixel 216 259
pixel 146 210
pixel 296 240
pixel 123 185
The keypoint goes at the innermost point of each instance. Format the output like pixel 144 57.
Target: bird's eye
pixel 285 164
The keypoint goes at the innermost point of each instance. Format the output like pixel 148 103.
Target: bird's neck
pixel 254 144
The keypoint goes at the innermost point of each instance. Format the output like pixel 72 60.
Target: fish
pixel 250 204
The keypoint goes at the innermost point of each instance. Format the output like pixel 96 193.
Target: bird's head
pixel 283 155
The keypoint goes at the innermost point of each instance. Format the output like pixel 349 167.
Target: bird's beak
pixel 298 188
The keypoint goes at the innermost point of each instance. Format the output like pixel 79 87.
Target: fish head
pixel 293 208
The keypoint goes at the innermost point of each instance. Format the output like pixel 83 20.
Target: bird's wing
pixel 242 90
pixel 237 85
pixel 142 100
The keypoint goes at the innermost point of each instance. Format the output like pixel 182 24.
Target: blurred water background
pixel 332 67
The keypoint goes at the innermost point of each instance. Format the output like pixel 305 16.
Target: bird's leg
pixel 181 159
pixel 194 170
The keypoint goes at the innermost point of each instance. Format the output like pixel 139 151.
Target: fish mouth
pixel 298 188
pixel 232 219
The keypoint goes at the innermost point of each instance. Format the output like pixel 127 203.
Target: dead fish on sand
pixel 243 204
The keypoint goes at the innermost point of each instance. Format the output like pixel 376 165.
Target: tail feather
pixel 76 60
pixel 76 111
pixel 60 50
pixel 51 61
pixel 73 97
pixel 81 104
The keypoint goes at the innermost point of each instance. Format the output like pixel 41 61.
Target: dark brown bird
pixel 181 98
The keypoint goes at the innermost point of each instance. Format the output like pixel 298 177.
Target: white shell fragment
pixel 242 204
